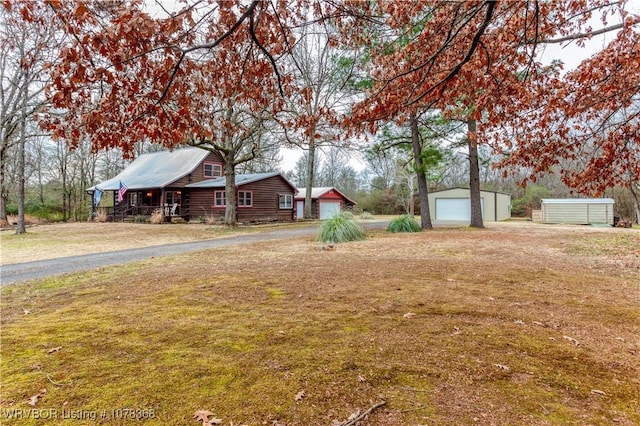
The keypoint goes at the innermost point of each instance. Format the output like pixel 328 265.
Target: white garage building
pixel 454 205
pixel 578 211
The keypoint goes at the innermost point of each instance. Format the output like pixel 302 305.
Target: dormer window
pixel 212 170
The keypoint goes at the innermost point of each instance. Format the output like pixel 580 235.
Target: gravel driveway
pixel 17 272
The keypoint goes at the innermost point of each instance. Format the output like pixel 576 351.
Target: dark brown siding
pixel 201 204
pixel 265 202
pixel 197 174
pixel 187 208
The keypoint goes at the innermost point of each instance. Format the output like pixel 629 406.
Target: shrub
pixel 366 216
pixel 347 214
pixel 404 223
pixel 339 229
pixel 140 218
pixel 101 216
pixel 521 207
pixel 157 216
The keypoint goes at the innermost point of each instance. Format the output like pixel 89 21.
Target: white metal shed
pixel 578 211
pixel 454 205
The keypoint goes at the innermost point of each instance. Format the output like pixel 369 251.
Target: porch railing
pixel 119 213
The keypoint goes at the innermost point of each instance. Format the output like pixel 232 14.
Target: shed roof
pixel 156 169
pixel 317 192
pixel 577 201
pixel 241 179
pixel 467 189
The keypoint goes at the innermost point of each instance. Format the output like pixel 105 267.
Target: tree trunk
pixel 423 190
pixel 474 177
pixel 636 204
pixel 21 228
pixel 230 212
pixel 4 191
pixel 311 159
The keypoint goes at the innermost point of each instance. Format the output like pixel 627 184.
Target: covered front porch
pixel 139 202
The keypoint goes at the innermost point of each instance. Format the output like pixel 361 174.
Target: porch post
pixel 93 207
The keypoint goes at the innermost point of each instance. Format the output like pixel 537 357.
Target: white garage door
pixel 329 208
pixel 458 209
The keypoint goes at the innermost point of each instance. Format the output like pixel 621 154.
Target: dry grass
pixel 516 324
pixel 69 239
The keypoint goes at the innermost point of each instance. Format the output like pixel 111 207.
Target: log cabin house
pixel 189 183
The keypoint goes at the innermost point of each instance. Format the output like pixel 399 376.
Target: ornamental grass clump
pixel 366 216
pixel 404 223
pixel 339 229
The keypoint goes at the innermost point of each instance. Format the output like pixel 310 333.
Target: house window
pixel 245 199
pixel 285 201
pixel 212 170
pixel 219 199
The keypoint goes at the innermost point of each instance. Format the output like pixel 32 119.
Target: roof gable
pixel 156 169
pixel 467 189
pixel 318 192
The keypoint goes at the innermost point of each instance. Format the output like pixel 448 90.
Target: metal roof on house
pixel 156 169
pixel 318 192
pixel 577 201
pixel 242 179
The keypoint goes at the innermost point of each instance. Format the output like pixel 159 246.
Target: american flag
pixel 121 191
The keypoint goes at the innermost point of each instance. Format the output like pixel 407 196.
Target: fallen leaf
pixel 203 416
pixel 409 315
pixel 299 396
pixel 34 400
pixel 52 350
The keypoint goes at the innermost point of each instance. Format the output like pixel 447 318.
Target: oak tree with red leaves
pixel 478 61
pixel 205 75
pixel 128 77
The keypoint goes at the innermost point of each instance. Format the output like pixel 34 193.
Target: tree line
pixel 422 90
